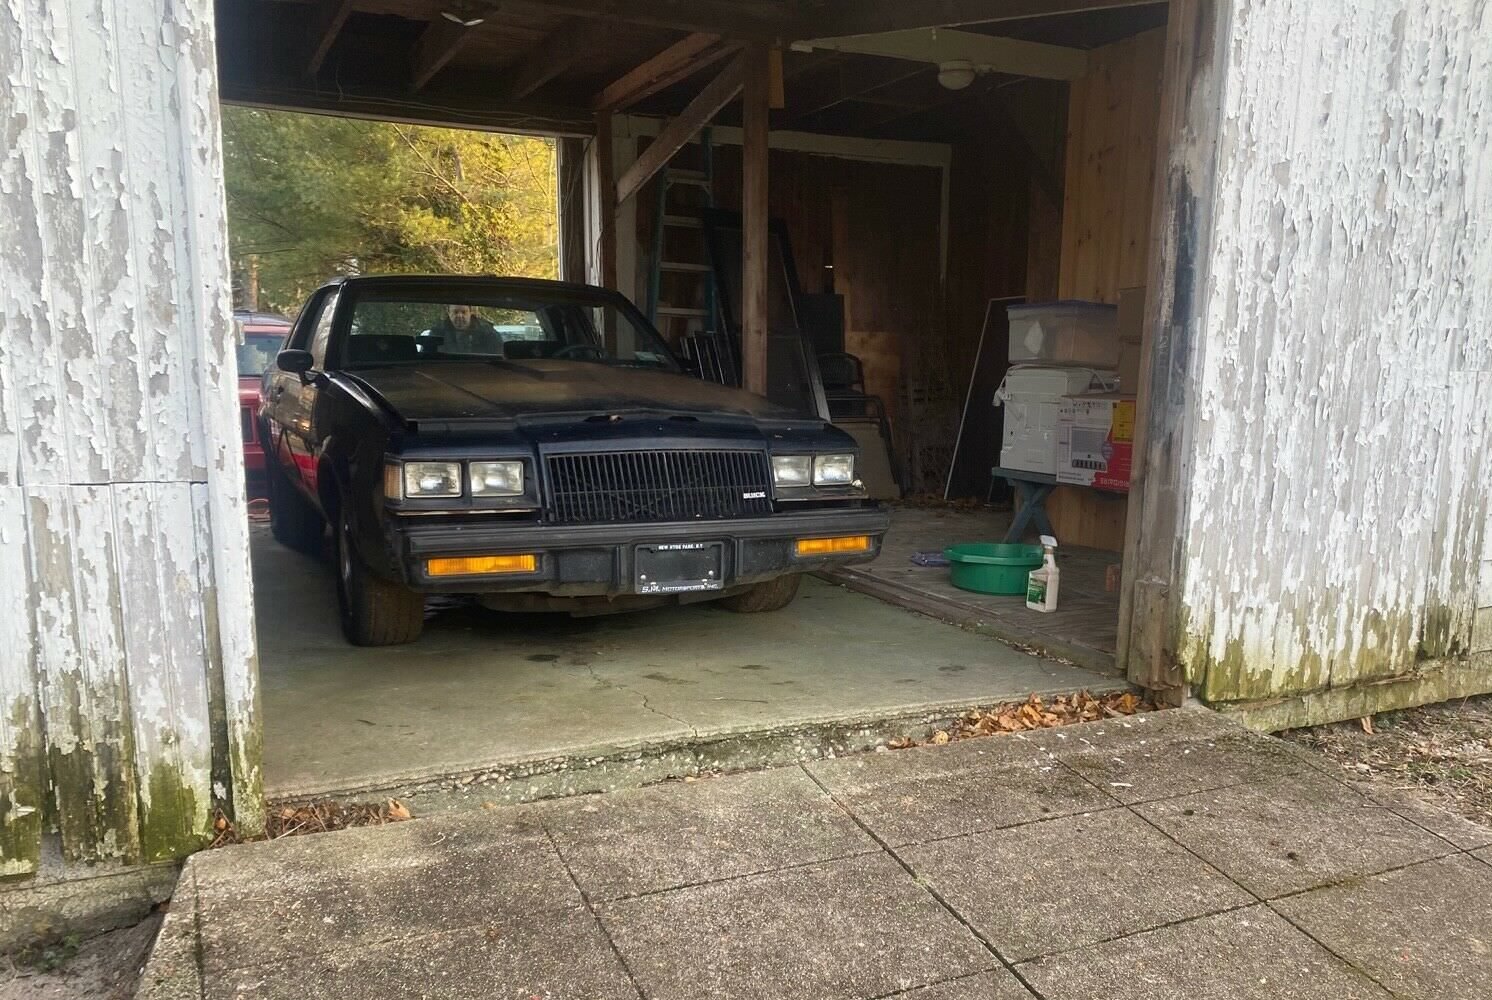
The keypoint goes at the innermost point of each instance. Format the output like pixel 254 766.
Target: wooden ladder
pixel 687 304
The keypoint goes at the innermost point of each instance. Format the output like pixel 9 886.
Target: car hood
pixel 512 390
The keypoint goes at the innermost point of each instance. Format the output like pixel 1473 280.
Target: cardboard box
pixel 1033 398
pixel 1095 441
pixel 1132 315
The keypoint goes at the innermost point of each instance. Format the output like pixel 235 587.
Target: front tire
pixel 294 522
pixel 375 612
pixel 773 595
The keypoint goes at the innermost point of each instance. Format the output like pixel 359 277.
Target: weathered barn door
pixel 1318 452
pixel 127 671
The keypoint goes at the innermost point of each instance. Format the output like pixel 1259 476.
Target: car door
pixel 293 398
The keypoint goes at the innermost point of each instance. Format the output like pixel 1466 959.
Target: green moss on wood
pixel 1385 649
pixel 93 781
pixel 172 822
pixel 22 795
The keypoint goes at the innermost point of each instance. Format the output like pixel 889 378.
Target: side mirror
pixel 296 362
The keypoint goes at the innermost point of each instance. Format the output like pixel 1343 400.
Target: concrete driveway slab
pixel 1292 833
pixel 483 690
pixel 1053 886
pixel 1251 954
pixel 173 972
pixel 927 793
pixel 481 903
pixel 995 985
pixel 1430 932
pixel 676 834
pixel 846 930
pixel 287 900
pixel 1158 770
pixel 1459 830
pixel 557 955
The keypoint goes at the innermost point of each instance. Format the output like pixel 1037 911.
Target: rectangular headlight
pixel 792 470
pixel 432 479
pixel 496 479
pixel 833 470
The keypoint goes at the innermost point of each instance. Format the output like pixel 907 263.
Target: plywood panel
pixel 1113 117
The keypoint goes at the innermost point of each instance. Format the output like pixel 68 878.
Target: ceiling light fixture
pixel 463 13
pixel 956 75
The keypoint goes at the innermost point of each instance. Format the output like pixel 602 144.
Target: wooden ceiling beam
pixel 864 17
pixel 682 59
pixel 706 105
pixel 437 46
pixel 575 40
pixel 1012 56
pixel 845 83
pixel 329 17
pixel 738 19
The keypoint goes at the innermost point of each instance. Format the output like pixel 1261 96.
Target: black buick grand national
pixel 537 444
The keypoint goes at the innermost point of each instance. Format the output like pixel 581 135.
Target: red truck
pixel 261 335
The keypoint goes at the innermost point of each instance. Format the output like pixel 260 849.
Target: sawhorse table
pixel 1031 489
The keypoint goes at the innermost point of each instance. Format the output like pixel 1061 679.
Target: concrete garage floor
pixel 1171 856
pixel 506 696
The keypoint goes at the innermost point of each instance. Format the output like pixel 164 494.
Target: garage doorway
pixel 916 207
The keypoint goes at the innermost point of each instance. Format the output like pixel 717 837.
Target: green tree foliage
pixel 311 197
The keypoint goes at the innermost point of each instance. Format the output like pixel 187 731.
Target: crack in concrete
pixel 646 704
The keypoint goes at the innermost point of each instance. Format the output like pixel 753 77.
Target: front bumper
pixel 597 559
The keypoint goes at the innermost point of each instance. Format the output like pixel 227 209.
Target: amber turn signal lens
pixel 482 565
pixel 833 546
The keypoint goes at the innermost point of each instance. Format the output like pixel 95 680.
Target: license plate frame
pixel 678 567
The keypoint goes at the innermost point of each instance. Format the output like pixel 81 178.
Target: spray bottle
pixel 1042 584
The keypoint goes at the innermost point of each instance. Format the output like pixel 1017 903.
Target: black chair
pixel 841 373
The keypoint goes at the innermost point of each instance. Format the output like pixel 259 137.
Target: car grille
pixel 622 486
pixel 246 420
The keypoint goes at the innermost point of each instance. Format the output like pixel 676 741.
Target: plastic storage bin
pixel 1065 333
pixel 991 567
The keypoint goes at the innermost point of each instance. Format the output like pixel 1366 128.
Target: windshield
pixel 399 327
pixel 256 352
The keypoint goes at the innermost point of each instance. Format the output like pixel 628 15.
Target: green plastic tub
pixel 992 567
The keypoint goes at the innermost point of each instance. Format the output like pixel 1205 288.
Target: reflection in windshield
pixel 511 328
pixel 256 352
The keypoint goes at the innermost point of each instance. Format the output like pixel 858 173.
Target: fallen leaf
pixel 398 811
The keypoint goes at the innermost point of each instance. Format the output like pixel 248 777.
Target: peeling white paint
pixel 124 580
pixel 1340 451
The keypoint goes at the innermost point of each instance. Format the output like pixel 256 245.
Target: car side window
pixel 323 330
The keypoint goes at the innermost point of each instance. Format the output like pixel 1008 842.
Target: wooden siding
pixel 1337 460
pixel 125 610
pixel 1113 116
pixel 870 232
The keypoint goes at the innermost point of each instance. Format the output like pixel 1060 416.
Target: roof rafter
pixel 682 59
pixel 988 52
pixel 864 17
pixel 437 46
pixel 329 18
pixel 757 19
pixel 706 104
pixel 573 41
